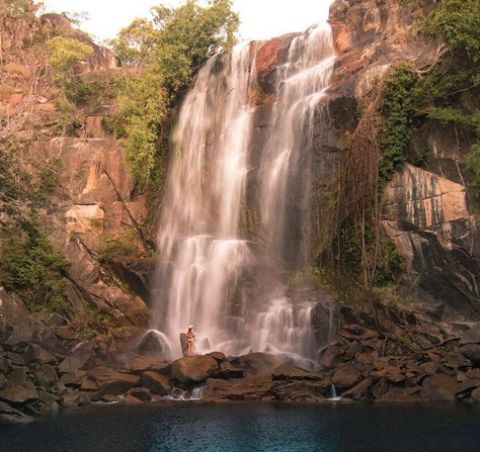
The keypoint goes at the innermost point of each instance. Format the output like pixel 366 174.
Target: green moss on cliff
pixel 397 106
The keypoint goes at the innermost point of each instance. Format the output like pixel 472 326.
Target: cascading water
pixel 199 242
pixel 204 252
pixel 285 171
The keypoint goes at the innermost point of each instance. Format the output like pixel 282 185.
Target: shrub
pixel 118 245
pixel 30 266
pixel 457 22
pixel 65 54
pixel 397 107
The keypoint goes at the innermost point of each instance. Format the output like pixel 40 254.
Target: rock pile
pixel 388 354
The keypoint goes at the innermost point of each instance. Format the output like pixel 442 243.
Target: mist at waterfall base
pixel 253 428
pixel 214 271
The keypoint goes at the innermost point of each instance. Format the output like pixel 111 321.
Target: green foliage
pixel 456 116
pixel 134 44
pixel 389 263
pixel 122 244
pixel 171 48
pixel 474 166
pixel 30 266
pixel 65 54
pixel 89 92
pixel 397 108
pixel 457 22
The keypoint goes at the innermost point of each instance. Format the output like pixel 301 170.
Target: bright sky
pixel 261 19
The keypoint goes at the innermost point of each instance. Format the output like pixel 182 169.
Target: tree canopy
pixel 170 48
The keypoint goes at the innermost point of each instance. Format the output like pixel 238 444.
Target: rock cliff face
pixel 425 210
pixel 94 196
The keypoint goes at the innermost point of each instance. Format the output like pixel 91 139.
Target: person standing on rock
pixel 190 340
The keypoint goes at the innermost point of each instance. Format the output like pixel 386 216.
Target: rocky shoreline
pixel 387 354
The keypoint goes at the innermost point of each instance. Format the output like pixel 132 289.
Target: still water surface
pixel 251 427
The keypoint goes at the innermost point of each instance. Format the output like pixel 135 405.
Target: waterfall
pixel 287 159
pixel 198 239
pixel 205 257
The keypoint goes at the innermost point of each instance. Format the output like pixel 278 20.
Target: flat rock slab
pixel 289 372
pixel 259 363
pixel 112 382
pixel 300 390
pixel 145 363
pixel 250 388
pixel 19 394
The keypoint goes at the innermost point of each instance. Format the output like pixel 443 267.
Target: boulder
pixel 88 385
pixel 467 385
pixel 289 372
pixel 476 395
pixel 439 388
pixel 9 415
pixel 474 374
pixel 112 382
pixel 45 404
pixel 15 358
pixel 258 363
pixel 19 377
pixel 3 381
pixel 156 383
pixel 360 390
pixel 346 377
pixel 129 399
pixel 397 395
pixel 27 329
pixel 144 363
pixel 332 356
pixel 218 356
pixel 152 344
pixel 37 355
pixel 228 371
pixel 73 399
pixel 192 370
pixel 472 352
pixel 46 376
pixel 394 374
pixel 250 388
pixel 141 394
pixel 298 391
pixel 19 394
pixel 66 333
pixel 77 360
pixel 73 379
pixel 471 336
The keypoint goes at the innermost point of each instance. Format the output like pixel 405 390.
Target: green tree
pixel 65 54
pixel 457 22
pixel 171 47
